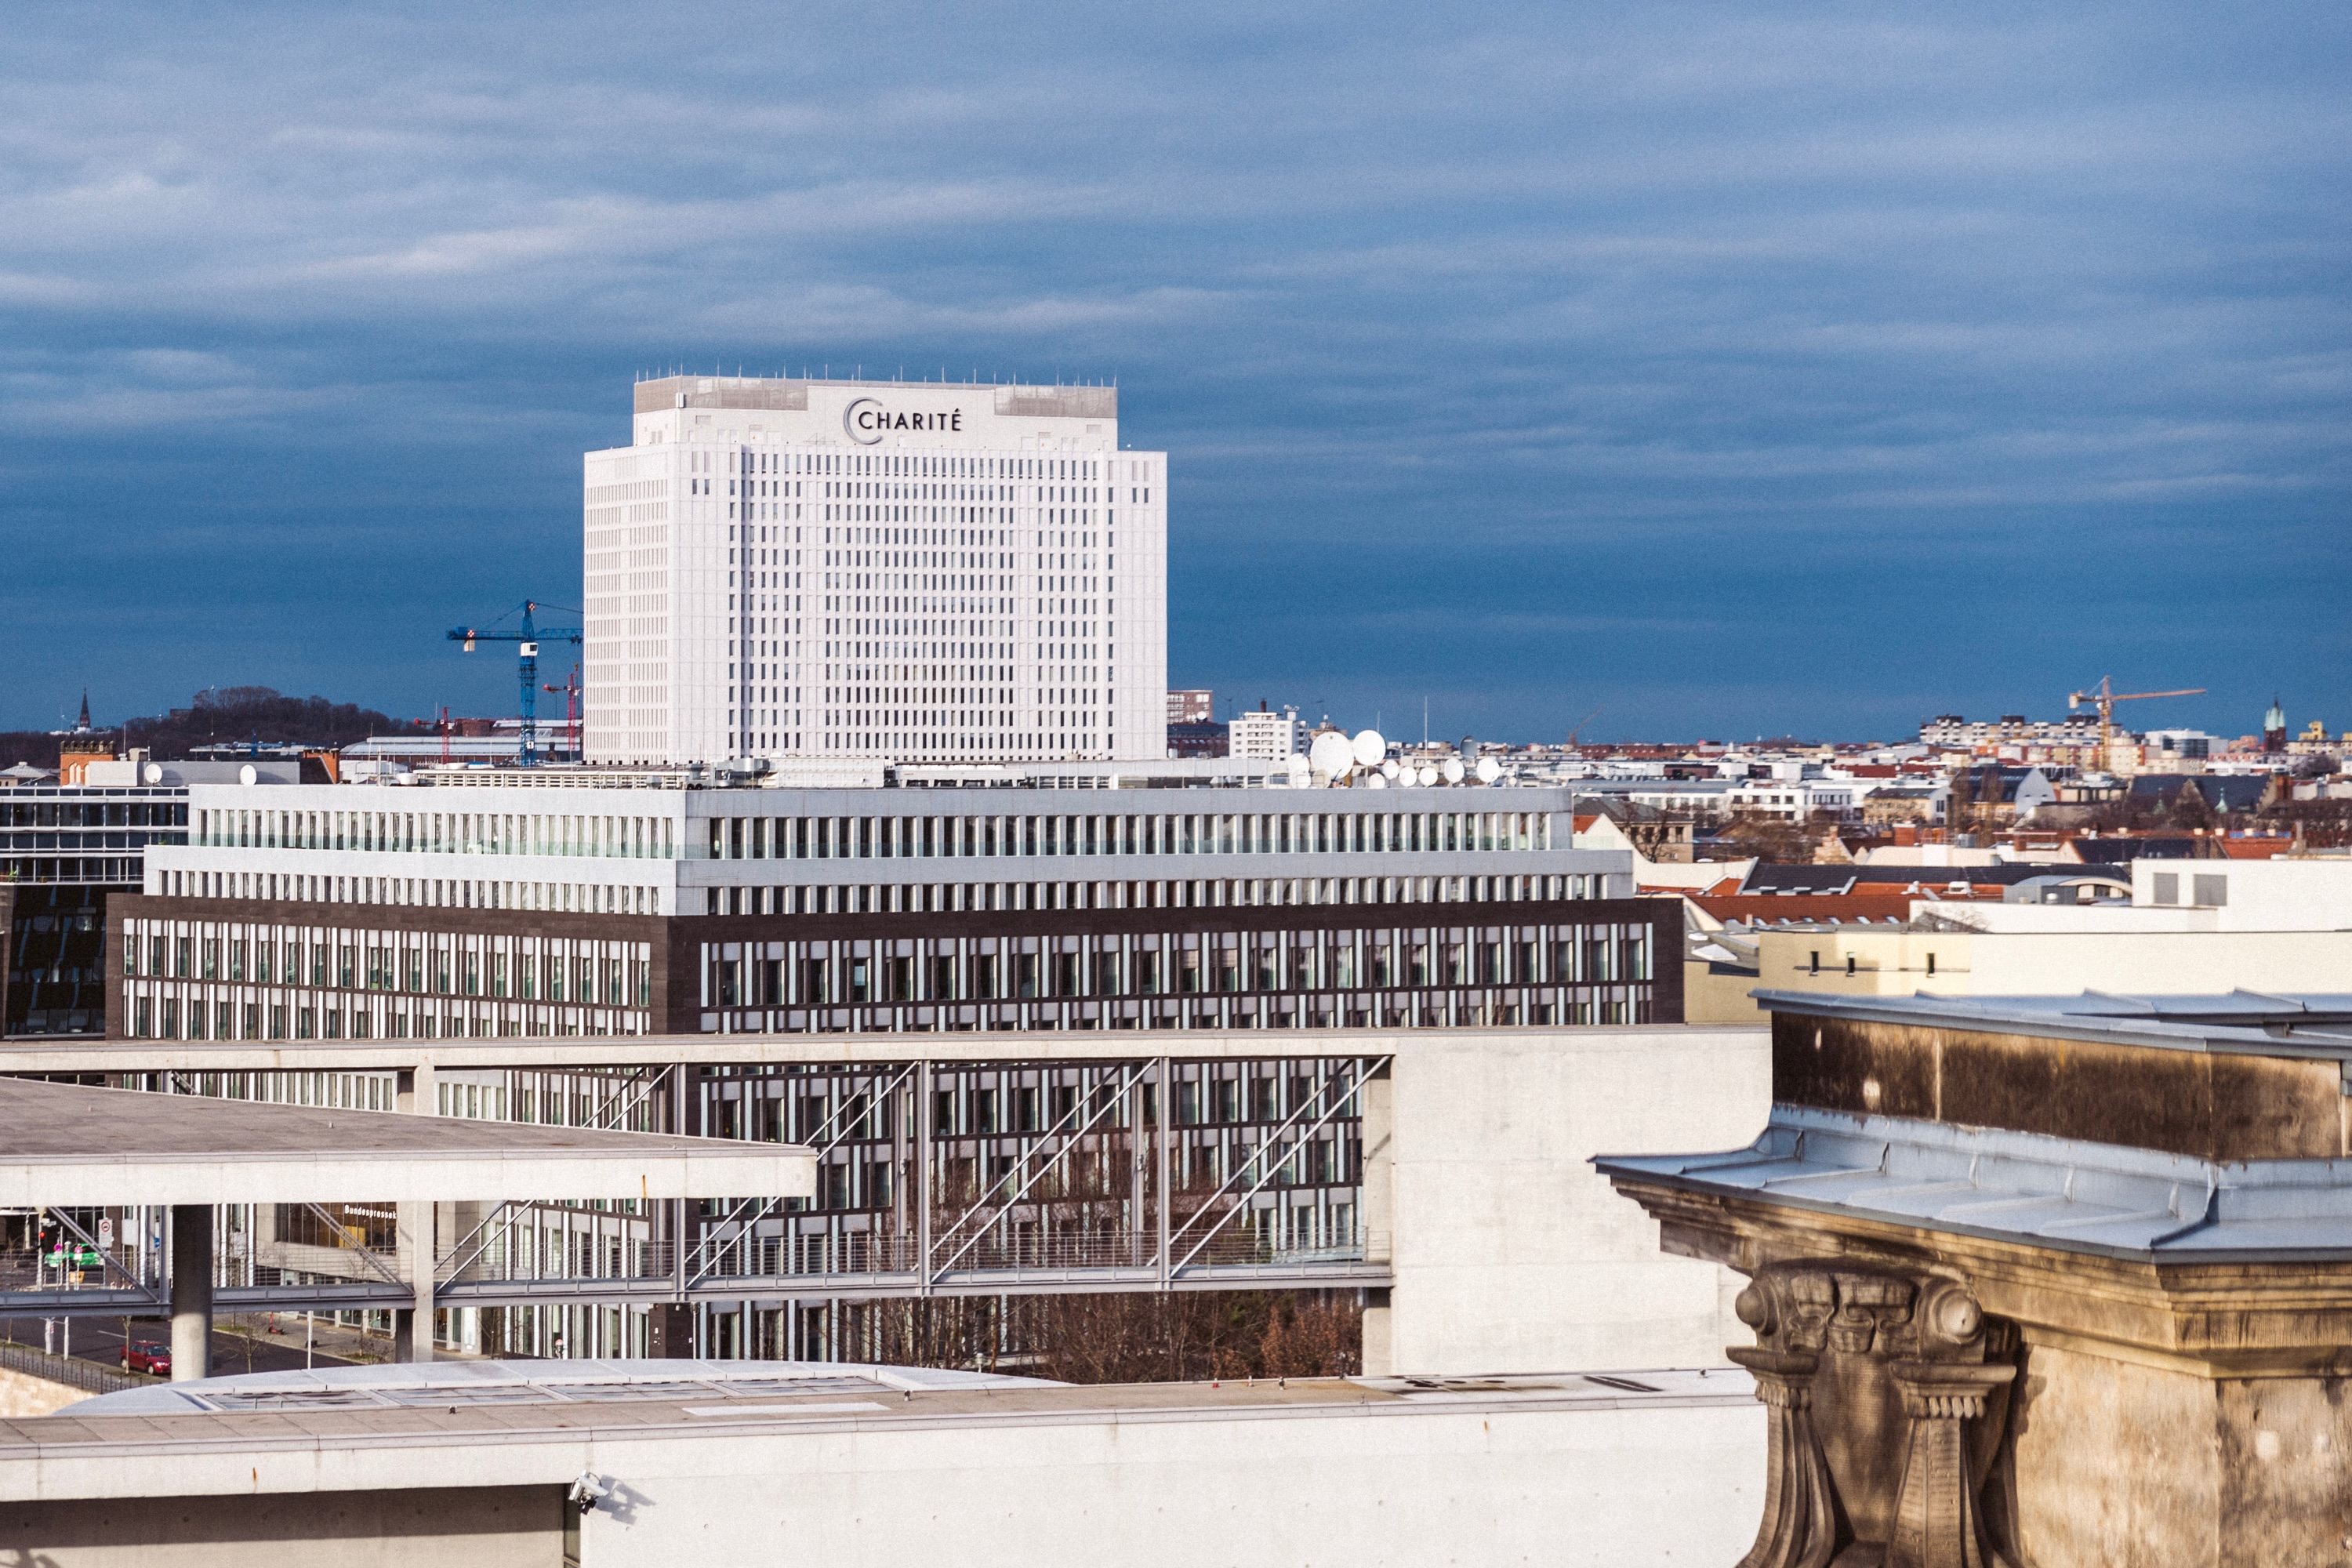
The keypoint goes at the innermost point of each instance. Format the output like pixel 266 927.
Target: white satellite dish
pixel 1376 781
pixel 1452 769
pixel 1489 770
pixel 153 773
pixel 1331 755
pixel 1369 748
pixel 248 775
pixel 1427 776
pixel 1388 770
pixel 1406 778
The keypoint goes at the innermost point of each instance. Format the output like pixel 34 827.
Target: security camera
pixel 588 1490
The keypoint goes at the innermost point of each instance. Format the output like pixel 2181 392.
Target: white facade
pixel 556 843
pixel 1376 1473
pixel 837 569
pixel 1270 736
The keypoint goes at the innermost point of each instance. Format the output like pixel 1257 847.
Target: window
pixel 2166 887
pixel 2212 892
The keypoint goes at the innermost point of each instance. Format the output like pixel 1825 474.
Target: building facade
pixel 240 969
pixel 1194 705
pixel 840 570
pixel 64 850
pixel 1266 735
pixel 564 901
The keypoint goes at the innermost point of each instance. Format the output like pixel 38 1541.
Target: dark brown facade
pixel 360 971
pixel 2213 1105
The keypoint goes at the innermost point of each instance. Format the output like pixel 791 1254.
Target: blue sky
pixel 1731 370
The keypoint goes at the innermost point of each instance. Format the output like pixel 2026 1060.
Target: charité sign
pixel 866 421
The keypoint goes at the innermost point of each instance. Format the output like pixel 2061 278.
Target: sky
pixel 1665 369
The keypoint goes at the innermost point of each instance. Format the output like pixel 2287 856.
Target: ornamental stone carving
pixel 1889 1393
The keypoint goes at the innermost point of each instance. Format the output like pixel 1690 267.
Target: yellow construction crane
pixel 2105 699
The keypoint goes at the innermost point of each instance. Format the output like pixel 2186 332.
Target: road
pixel 100 1340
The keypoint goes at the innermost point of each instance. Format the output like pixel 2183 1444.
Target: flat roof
pixel 592 1052
pixel 2307 1024
pixel 2063 1193
pixel 293 1432
pixel 68 1145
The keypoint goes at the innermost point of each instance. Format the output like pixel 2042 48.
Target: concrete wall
pixel 1655 1486
pixel 2054 963
pixel 1510 1254
pixel 1618 1490
pixel 481 1527
pixel 23 1395
pixel 2258 895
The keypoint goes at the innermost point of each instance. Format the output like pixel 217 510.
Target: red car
pixel 153 1359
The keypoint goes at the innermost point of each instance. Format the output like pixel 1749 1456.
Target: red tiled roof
pixel 1749 909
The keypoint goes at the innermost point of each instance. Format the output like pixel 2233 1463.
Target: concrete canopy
pixel 70 1146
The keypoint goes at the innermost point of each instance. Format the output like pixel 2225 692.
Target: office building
pixel 64 850
pixel 484 908
pixel 785 569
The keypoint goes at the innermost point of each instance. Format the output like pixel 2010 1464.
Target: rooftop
pixel 543 1419
pixel 67 1145
pixel 2059 1193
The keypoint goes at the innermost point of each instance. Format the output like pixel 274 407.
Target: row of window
pixel 84 813
pixel 437 892
pixel 440 832
pixel 926 969
pixel 549 969
pixel 884 837
pixel 152 1014
pixel 895 464
pixel 1235 833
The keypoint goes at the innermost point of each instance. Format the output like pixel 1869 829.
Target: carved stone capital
pixel 1888 1391
pixel 1799 1527
pixel 1938 1520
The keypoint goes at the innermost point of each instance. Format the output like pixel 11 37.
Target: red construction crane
pixel 2105 699
pixel 571 689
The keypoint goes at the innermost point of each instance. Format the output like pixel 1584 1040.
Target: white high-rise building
pixel 1263 734
pixel 915 571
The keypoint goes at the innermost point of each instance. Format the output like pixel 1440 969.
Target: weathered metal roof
pixel 2023 1187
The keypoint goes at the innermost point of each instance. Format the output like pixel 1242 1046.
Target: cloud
pixel 1618 294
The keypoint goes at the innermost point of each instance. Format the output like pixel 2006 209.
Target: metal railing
pixel 818 1255
pixel 81 1269
pixel 88 1375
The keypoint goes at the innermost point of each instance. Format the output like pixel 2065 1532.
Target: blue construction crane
pixel 530 636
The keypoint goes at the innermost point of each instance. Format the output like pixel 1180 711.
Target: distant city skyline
pixel 1726 370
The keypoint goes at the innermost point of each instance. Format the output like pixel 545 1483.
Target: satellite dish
pixel 1489 770
pixel 248 775
pixel 1376 781
pixel 153 773
pixel 1406 777
pixel 1369 748
pixel 1331 755
pixel 1452 770
pixel 1428 775
pixel 1388 770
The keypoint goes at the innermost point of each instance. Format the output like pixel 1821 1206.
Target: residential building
pixel 1196 706
pixel 793 568
pixel 1199 740
pixel 1264 734
pixel 1952 730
